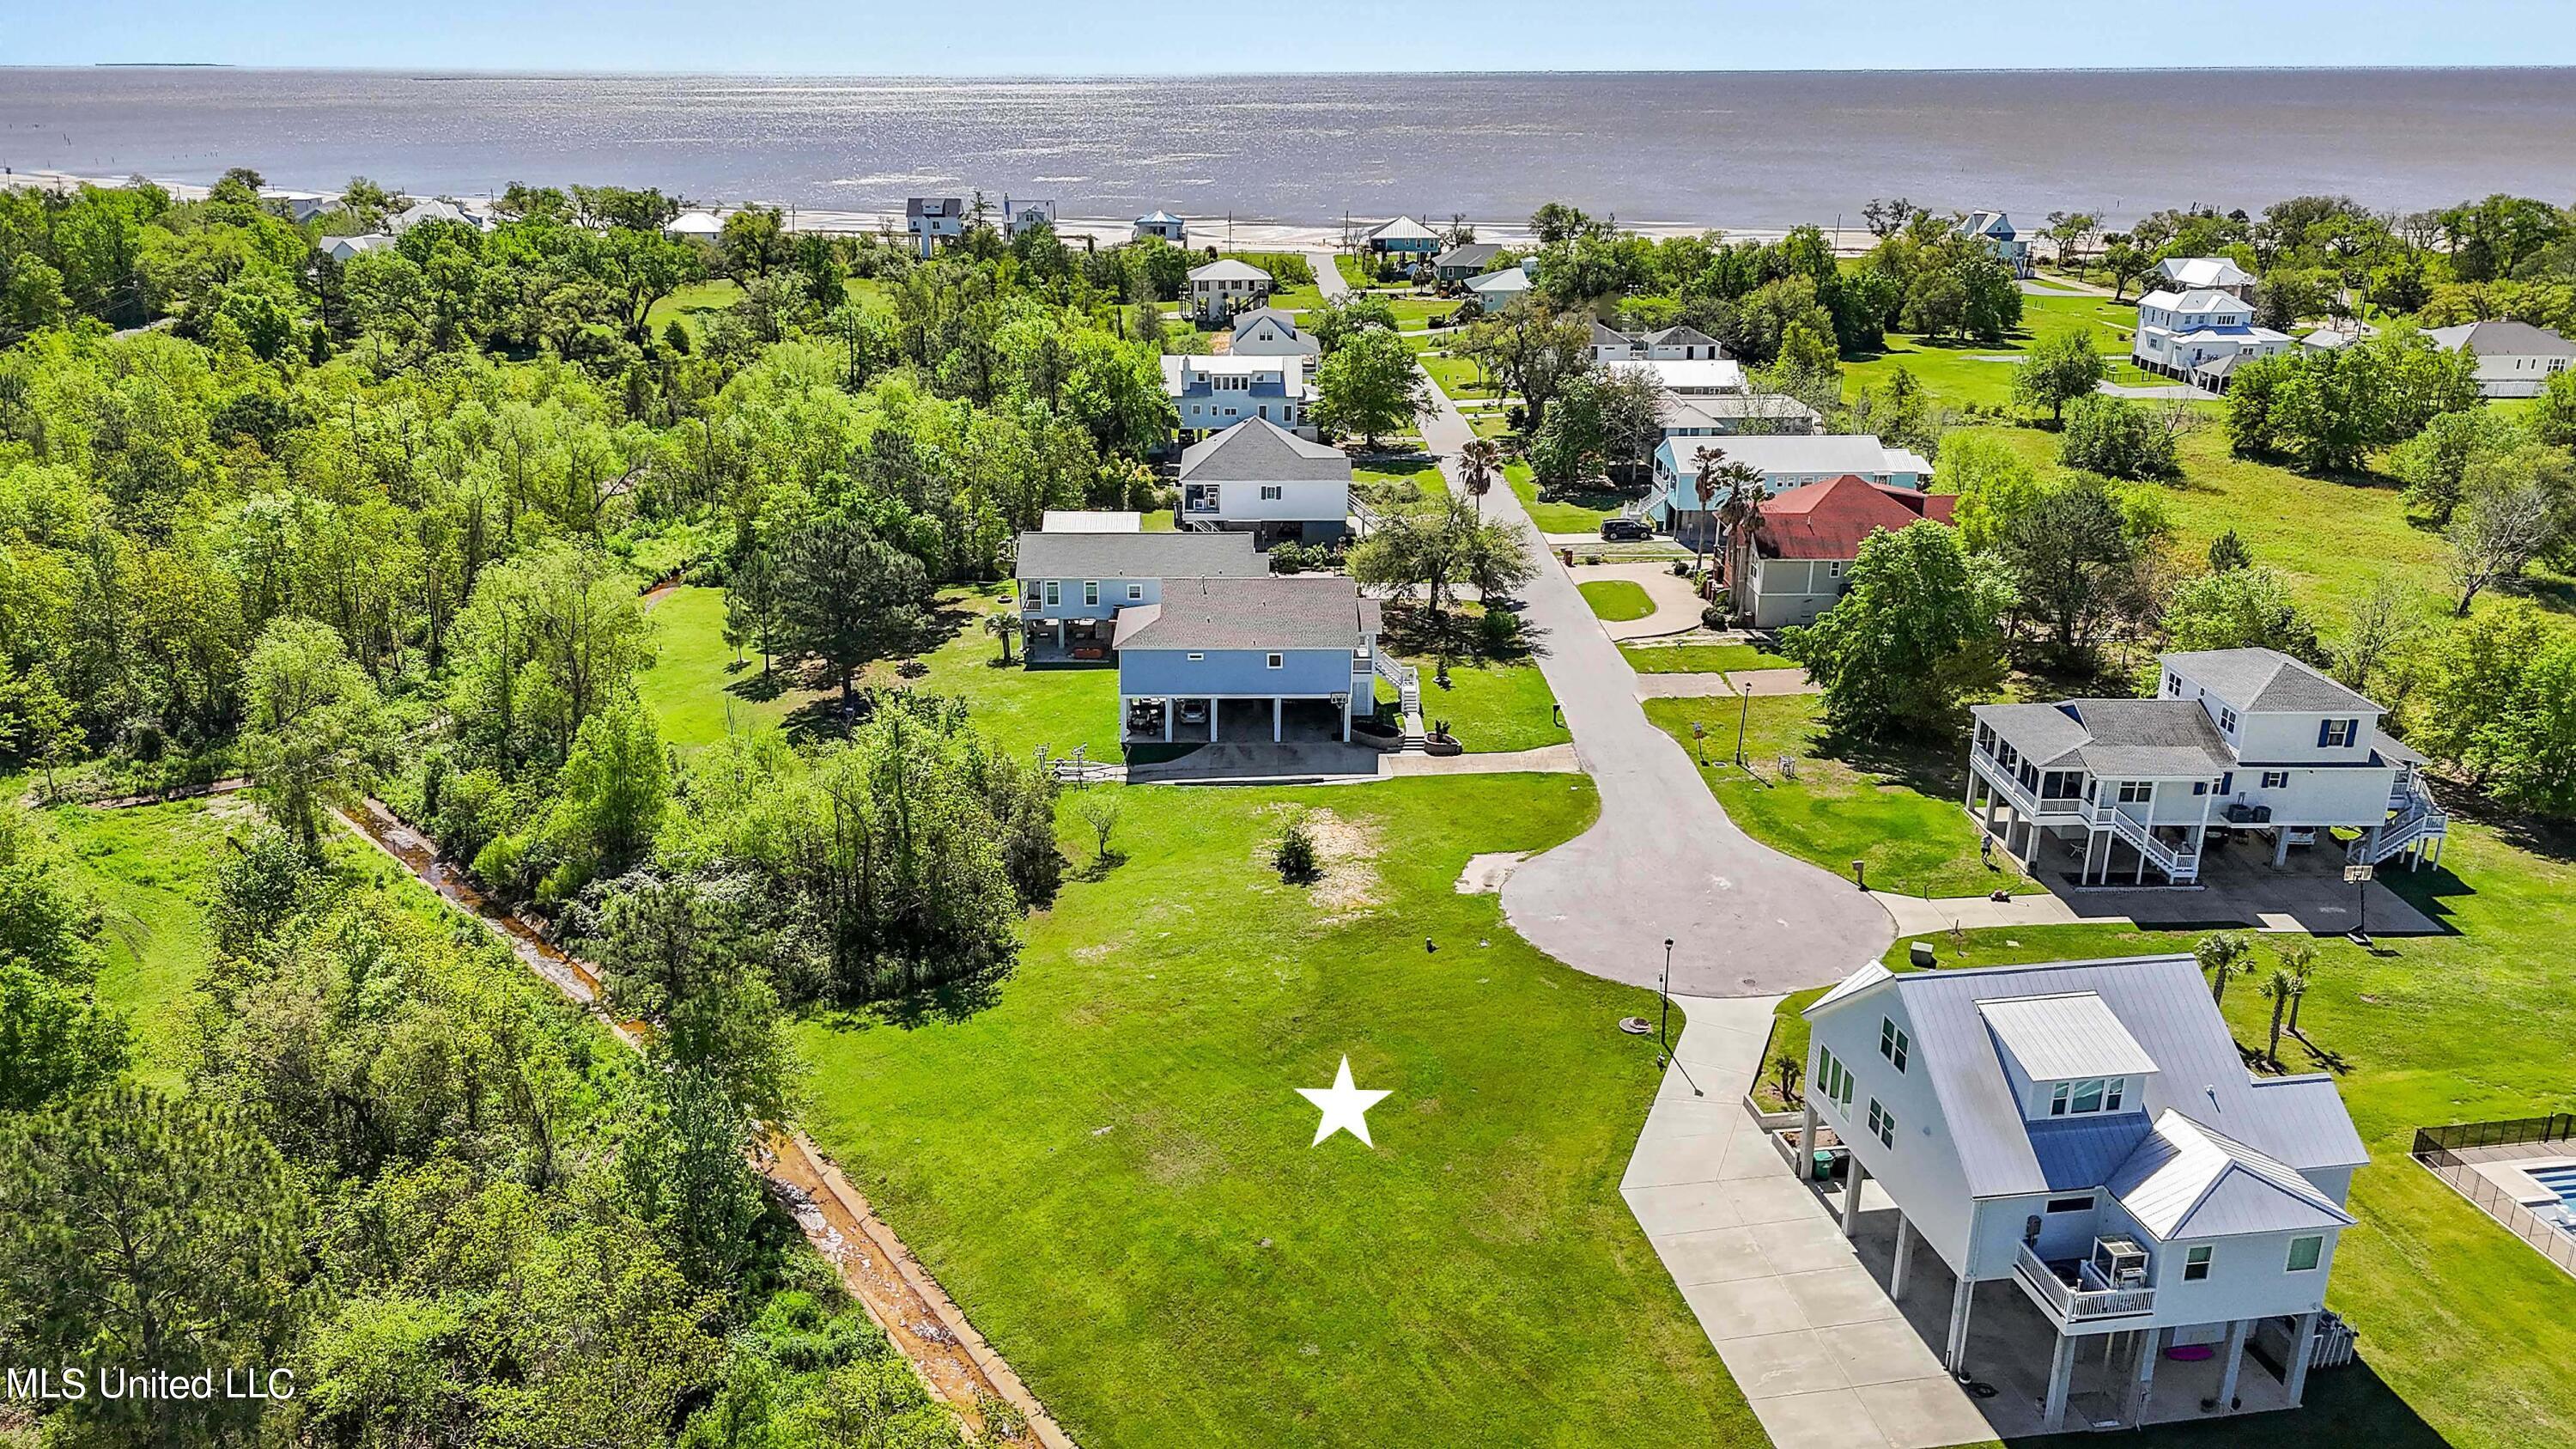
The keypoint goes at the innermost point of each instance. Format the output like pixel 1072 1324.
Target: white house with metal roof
pixel 1288 657
pixel 1260 478
pixel 2193 274
pixel 2200 335
pixel 1162 224
pixel 1270 332
pixel 2237 740
pixel 1785 459
pixel 2515 359
pixel 1210 391
pixel 2088 1132
pixel 1073 584
pixel 1218 290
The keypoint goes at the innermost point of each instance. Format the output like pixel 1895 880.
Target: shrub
pixel 2112 438
pixel 1293 853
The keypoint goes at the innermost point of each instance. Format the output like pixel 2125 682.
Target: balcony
pixel 2044 809
pixel 2083 1301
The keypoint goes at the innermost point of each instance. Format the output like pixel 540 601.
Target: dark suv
pixel 1626 530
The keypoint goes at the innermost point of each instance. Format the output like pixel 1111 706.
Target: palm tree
pixel 2282 990
pixel 1478 464
pixel 1787 1065
pixel 2300 959
pixel 1737 517
pixel 1002 627
pixel 2222 956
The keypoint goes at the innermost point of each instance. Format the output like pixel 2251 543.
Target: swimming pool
pixel 2562 1181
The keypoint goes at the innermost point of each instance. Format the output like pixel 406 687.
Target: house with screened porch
pixel 2237 743
pixel 2131 1228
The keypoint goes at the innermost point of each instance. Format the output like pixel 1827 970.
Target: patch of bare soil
pixel 1346 882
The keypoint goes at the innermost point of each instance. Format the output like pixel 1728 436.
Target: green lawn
pixel 1109 1168
pixel 690 303
pixel 1459 378
pixel 1429 484
pixel 1618 600
pixel 1700 658
pixel 695 685
pixel 2464 1325
pixel 1965 374
pixel 1491 708
pixel 1582 514
pixel 2330 537
pixel 1351 270
pixel 1297 299
pixel 1844 804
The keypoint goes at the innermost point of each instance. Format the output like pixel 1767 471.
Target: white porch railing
pixel 2180 863
pixel 1406 679
pixel 2418 817
pixel 2078 1305
pixel 2048 810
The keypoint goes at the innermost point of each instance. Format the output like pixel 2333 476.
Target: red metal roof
pixel 1828 520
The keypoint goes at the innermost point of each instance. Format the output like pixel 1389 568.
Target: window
pixel 2200 787
pixel 2305 1253
pixel 1835 569
pixel 2088 1097
pixel 2057 1100
pixel 2336 734
pixel 2275 779
pixel 1195 658
pixel 1135 592
pixel 1882 1125
pixel 2111 1096
pixel 2137 792
pixel 2082 1204
pixel 1892 1043
pixel 1276 661
pixel 1271 492
pixel 1033 593
pixel 2227 783
pixel 1090 591
pixel 2195 1265
pixel 1833 1077
pixel 2226 720
pixel 1054 592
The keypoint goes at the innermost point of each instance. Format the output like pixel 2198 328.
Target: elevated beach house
pixel 1467 259
pixel 2514 359
pixel 1496 289
pixel 933 222
pixel 1247 658
pixel 1712 415
pixel 1259 478
pixel 1218 290
pixel 2193 274
pixel 1402 242
pixel 2236 741
pixel 1785 460
pixel 2084 1137
pixel 1270 332
pixel 1072 585
pixel 1796 560
pixel 1164 225
pixel 2200 336
pixel 1025 215
pixel 1218 390
pixel 1995 231
pixel 1663 344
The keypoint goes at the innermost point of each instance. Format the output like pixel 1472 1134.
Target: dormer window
pixel 1892 1043
pixel 2087 1097
pixel 2173 685
pixel 2226 720
pixel 2337 734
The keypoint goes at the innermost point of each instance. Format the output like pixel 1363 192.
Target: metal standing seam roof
pixel 1468 254
pixel 1826 453
pixel 1678 373
pixel 2264 679
pixel 1258 448
pixel 1307 611
pixel 1509 279
pixel 2185 1180
pixel 2162 1002
pixel 1138 556
pixel 2196 273
pixel 2071 1034
pixel 1228 269
pixel 1677 411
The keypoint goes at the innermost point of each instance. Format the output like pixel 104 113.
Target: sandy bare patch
pixel 1486 873
pixel 1345 852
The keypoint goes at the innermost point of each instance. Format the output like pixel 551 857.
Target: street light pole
pixel 1664 992
pixel 1744 707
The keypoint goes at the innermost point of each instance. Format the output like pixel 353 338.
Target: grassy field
pixel 1618 600
pixel 1490 708
pixel 1896 809
pixel 695 686
pixel 1583 514
pixel 1965 374
pixel 1351 270
pixel 1108 1166
pixel 1428 483
pixel 689 304
pixel 2463 1327
pixel 1700 658
pixel 2330 537
pixel 1459 378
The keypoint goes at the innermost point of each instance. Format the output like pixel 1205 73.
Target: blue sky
pixel 1127 37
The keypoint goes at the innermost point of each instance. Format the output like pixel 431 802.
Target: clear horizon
pixel 1022 39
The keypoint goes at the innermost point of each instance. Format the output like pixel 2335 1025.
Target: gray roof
pixel 1678 411
pixel 933 206
pixel 1604 335
pixel 1687 336
pixel 2265 679
pixel 1258 448
pixel 2128 739
pixel 2163 1004
pixel 1300 611
pixel 1472 254
pixel 2502 339
pixel 1138 556
pixel 2186 1180
pixel 2071 1034
pixel 1245 321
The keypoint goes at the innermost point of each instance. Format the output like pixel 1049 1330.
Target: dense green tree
pixel 2118 440
pixel 314 724
pixel 2069 555
pixel 2062 366
pixel 846 597
pixel 1369 385
pixel 1916 634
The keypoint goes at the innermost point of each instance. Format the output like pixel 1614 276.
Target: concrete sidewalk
pixel 1824 1357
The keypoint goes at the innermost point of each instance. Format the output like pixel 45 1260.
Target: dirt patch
pixel 1486 873
pixel 1346 883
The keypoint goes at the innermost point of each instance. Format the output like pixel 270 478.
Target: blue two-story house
pixel 1073 585
pixel 1242 658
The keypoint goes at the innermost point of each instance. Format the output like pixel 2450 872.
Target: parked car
pixel 1626 530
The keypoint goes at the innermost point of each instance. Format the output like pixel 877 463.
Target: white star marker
pixel 1345 1107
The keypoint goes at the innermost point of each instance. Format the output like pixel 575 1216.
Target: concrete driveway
pixel 1663 860
pixel 1677 607
pixel 1825 1358
pixel 1328 277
